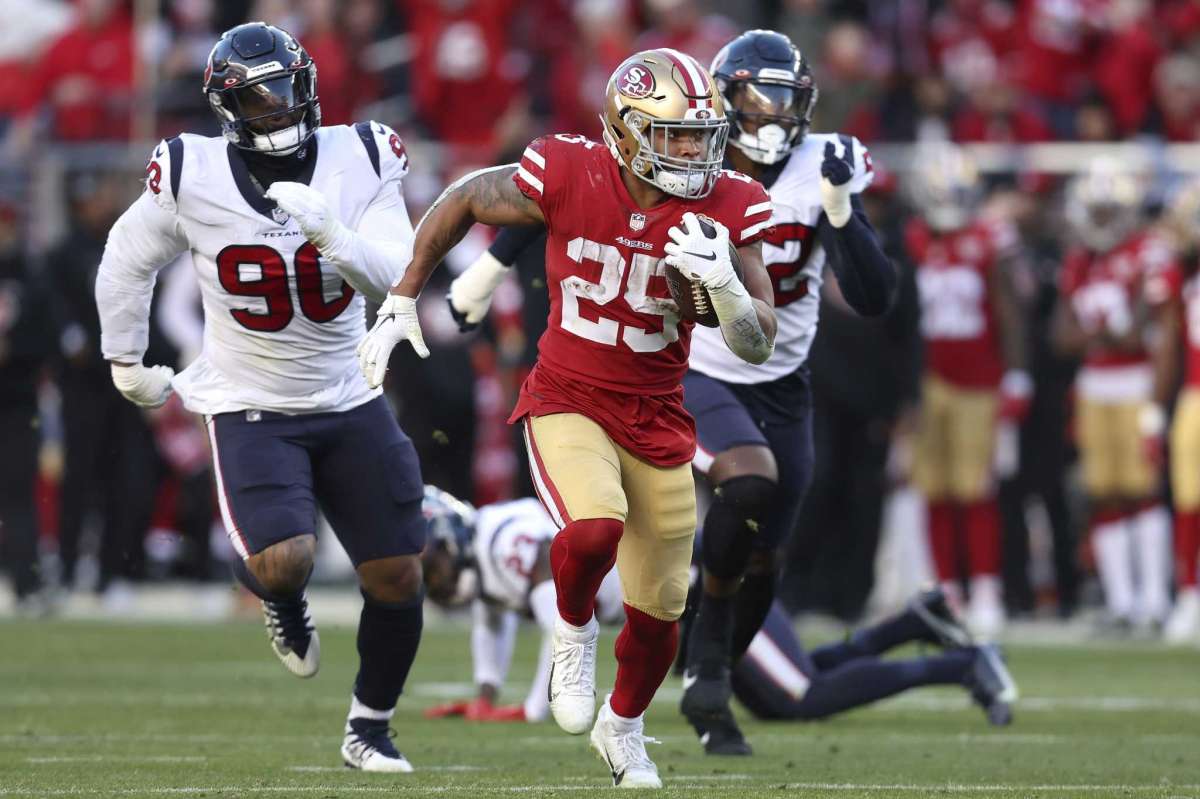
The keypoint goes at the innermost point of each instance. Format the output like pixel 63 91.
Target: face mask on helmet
pixel 1103 209
pixel 681 157
pixel 269 117
pixel 945 187
pixel 769 119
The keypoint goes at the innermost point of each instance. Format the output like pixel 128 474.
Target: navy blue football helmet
pixel 262 85
pixel 449 556
pixel 769 94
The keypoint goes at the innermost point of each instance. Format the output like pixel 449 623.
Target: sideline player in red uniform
pixel 610 443
pixel 1176 351
pixel 976 389
pixel 1113 291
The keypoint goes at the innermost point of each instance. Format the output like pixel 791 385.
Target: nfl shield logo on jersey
pixel 279 215
pixel 637 221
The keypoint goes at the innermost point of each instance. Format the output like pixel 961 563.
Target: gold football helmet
pixel 944 185
pixel 657 103
pixel 1104 205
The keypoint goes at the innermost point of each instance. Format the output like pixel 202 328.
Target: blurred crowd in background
pixel 88 87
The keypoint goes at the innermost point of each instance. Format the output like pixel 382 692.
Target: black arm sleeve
pixel 866 276
pixel 512 241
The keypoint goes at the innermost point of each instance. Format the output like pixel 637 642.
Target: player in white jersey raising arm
pixel 754 424
pixel 498 559
pixel 289 226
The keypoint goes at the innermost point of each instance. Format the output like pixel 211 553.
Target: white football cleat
pixel 1183 624
pixel 293 639
pixel 622 745
pixel 572 689
pixel 368 747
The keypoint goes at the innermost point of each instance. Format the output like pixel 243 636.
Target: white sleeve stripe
pixel 530 179
pixel 754 209
pixel 534 156
pixel 750 231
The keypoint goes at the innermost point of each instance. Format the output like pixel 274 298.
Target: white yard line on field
pixel 393 788
pixel 1108 704
pixel 122 758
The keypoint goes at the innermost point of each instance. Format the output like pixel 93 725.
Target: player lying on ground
pixel 777 678
pixel 290 420
pixel 610 443
pixel 498 559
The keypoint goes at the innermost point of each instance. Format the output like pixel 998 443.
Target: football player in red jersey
pixel 976 389
pixel 1113 287
pixel 609 441
pixel 1178 345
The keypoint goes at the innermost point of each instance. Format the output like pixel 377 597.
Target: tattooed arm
pixel 488 196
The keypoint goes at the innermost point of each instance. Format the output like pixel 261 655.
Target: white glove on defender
pixel 471 292
pixel 699 256
pixel 147 386
pixel 397 321
pixel 312 213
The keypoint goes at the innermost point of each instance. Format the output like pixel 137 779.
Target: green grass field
pixel 205 710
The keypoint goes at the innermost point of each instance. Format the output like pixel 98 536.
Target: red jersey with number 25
pixel 615 349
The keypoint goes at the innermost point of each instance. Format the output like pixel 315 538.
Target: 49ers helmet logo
pixel 637 82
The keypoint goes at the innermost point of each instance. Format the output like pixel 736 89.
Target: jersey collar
pixel 248 186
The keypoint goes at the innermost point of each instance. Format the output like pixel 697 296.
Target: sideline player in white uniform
pixel 282 272
pixel 498 559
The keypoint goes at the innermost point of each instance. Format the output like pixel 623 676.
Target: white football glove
pixel 312 213
pixel 147 386
pixel 700 256
pixel 471 292
pixel 397 321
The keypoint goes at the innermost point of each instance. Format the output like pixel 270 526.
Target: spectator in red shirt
pixel 326 44
pixel 86 77
pixel 466 73
pixel 994 112
pixel 1052 55
pixel 1176 112
pixel 682 25
pixel 1125 62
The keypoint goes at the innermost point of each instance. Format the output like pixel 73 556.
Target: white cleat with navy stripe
pixel 368 747
pixel 293 639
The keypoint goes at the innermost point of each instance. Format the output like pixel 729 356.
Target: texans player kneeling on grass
pixel 283 272
pixel 497 558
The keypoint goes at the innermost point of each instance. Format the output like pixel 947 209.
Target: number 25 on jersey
pixel 606 330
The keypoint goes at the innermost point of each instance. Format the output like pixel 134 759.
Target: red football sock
pixel 943 540
pixel 1187 548
pixel 645 651
pixel 580 555
pixel 983 537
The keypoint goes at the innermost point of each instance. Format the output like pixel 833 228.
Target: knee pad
pixel 738 510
